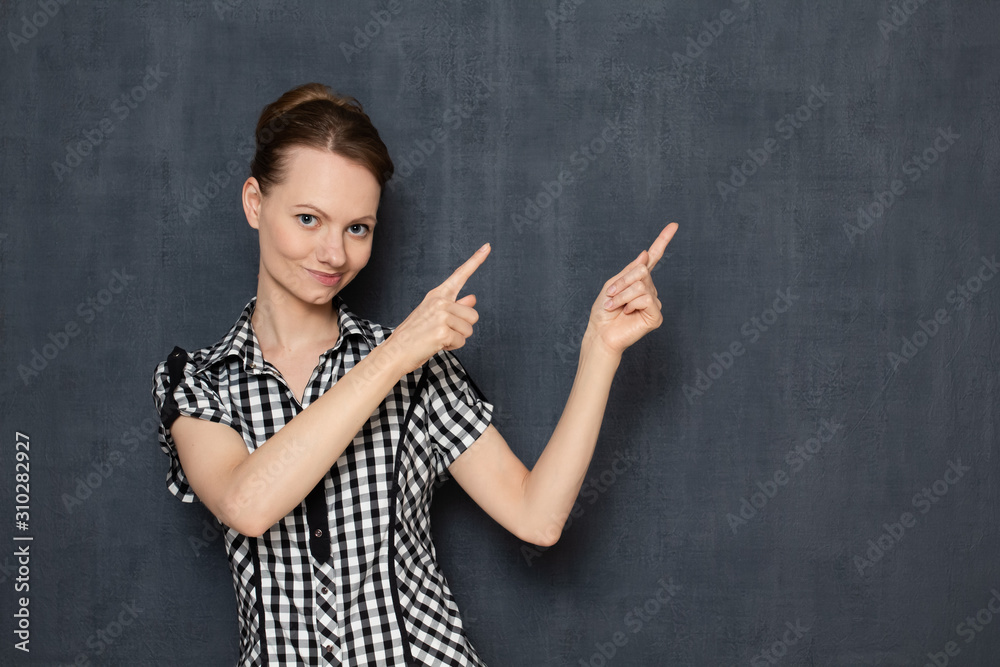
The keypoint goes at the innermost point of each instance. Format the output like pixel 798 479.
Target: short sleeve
pixel 191 395
pixel 458 411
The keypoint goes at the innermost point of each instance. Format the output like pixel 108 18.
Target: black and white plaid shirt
pixel 350 576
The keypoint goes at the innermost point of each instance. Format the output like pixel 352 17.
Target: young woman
pixel 316 437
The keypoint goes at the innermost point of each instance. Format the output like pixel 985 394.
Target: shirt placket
pixel 328 629
pixel 328 612
pixel 325 588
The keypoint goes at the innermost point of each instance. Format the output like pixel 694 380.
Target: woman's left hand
pixel 634 310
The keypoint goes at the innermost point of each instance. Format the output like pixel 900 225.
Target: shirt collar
pixel 241 342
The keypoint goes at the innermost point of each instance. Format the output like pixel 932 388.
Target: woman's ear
pixel 252 200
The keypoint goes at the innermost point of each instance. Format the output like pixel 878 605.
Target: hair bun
pixel 303 95
pixel 315 115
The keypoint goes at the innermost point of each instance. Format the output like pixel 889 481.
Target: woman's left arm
pixel 535 504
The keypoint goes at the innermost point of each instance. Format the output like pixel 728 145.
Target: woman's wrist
pixel 593 346
pixel 384 363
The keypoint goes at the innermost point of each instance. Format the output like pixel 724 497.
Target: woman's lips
pixel 325 278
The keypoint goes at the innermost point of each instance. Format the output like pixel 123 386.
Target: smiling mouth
pixel 327 279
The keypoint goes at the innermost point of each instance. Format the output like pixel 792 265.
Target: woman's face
pixel 318 223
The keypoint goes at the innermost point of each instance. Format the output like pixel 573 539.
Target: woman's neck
pixel 285 324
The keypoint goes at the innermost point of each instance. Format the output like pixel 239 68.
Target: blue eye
pixel 311 221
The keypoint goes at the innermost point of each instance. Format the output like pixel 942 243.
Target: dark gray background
pixel 555 77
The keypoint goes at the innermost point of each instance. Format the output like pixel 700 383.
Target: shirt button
pixel 328 648
pixel 252 365
pixel 324 590
pixel 319 532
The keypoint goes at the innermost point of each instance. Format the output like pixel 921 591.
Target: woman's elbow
pixel 544 535
pixel 249 528
pixel 546 541
pixel 240 515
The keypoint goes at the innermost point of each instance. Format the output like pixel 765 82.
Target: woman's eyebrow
pixel 313 207
pixel 323 213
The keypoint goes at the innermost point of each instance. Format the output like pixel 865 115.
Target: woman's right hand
pixel 439 322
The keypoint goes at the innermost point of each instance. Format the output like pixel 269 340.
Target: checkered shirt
pixel 350 576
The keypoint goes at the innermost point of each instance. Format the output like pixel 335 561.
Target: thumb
pixel 467 300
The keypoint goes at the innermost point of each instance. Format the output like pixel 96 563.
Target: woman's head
pixel 314 191
pixel 312 115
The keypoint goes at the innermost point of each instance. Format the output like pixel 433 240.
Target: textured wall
pixel 800 461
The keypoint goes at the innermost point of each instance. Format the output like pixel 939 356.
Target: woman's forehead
pixel 328 180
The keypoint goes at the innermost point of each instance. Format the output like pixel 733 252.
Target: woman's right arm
pixel 250 492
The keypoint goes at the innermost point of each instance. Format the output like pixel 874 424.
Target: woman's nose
pixel 331 249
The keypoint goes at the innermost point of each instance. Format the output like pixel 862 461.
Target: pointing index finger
pixel 660 244
pixel 456 280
